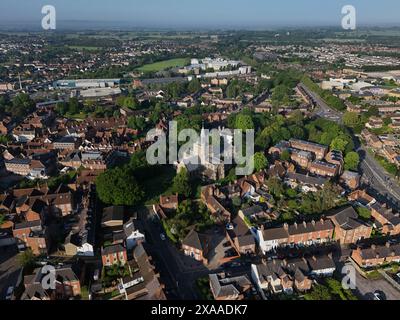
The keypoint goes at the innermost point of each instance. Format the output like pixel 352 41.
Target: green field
pixel 162 65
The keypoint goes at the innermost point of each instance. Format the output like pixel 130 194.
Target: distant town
pixel 79 199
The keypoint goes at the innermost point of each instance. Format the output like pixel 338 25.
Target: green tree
pixel 244 122
pixel 131 103
pixel 260 161
pixel 339 144
pixel 194 85
pixel 27 259
pixel 351 161
pixel 181 183
pixel 118 187
pixel 351 119
pixel 285 155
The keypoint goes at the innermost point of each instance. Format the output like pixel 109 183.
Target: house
pixel 151 279
pixel 321 266
pixel 323 168
pixel 297 234
pixel 196 245
pixel 253 213
pixel 376 255
pixel 270 276
pixel 114 254
pixel 319 150
pixel 113 216
pixel 167 205
pixel 66 285
pixel 240 237
pixel 132 234
pixel 305 182
pixel 225 288
pixel 388 222
pixel 348 227
pixel 33 235
pixel 350 179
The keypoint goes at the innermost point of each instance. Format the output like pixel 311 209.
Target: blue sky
pixel 204 13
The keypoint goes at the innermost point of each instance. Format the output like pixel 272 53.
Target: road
pixel 9 269
pixel 386 187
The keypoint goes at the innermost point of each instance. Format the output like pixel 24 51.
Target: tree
pixel 351 161
pixel 27 259
pixel 244 122
pixel 339 144
pixel 131 103
pixel 118 187
pixel 285 155
pixel 260 161
pixel 136 123
pixel 181 183
pixel 351 119
pixel 194 85
pixel 275 186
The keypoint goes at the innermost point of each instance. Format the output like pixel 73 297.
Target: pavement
pixel 9 269
pixel 367 287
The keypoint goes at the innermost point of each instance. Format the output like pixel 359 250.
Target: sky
pixel 203 13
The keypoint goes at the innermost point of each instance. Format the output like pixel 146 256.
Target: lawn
pixel 162 65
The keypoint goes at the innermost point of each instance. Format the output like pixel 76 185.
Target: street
pixel 387 188
pixel 9 269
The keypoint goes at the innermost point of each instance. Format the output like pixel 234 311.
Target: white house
pixel 133 235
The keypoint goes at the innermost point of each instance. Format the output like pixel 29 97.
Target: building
pixel 33 235
pixel 196 245
pixel 66 285
pixel 348 227
pixel 319 150
pixel 297 234
pixel 385 219
pixel 376 255
pixel 323 168
pixel 225 288
pixel 240 237
pixel 114 254
pixel 350 179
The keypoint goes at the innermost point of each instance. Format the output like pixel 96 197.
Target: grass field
pixel 162 65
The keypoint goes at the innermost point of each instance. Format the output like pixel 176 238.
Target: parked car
pixel 10 292
pixel 162 236
pixel 379 295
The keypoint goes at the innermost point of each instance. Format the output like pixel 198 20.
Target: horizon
pixel 175 14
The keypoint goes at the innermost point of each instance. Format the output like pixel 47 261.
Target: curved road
pixel 381 181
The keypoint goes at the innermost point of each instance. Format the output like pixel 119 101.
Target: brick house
pixel 196 245
pixel 376 255
pixel 31 234
pixel 306 233
pixel 348 227
pixel 114 254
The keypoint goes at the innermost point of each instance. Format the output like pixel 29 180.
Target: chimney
pixel 286 226
pixel 313 222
